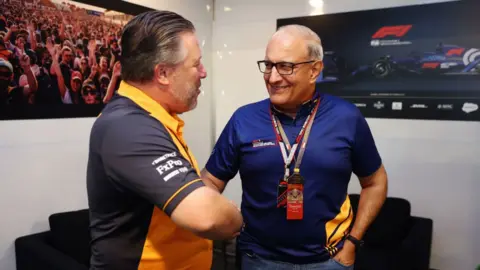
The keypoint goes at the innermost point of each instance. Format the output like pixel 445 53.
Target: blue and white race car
pixel 446 59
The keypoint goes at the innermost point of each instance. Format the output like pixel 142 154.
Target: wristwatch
pixel 358 243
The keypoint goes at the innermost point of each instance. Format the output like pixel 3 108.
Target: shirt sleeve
pixel 138 153
pixel 366 159
pixel 223 162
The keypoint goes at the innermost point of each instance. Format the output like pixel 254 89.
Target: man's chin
pixel 278 99
pixel 193 105
pixel 186 107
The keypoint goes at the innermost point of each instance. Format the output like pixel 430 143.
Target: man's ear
pixel 161 74
pixel 317 68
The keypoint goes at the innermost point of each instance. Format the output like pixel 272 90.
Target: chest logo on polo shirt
pixel 261 143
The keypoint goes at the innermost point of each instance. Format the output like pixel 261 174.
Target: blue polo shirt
pixel 340 143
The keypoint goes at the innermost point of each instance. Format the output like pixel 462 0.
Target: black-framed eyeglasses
pixel 283 68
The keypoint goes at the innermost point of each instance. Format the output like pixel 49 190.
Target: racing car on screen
pixel 444 60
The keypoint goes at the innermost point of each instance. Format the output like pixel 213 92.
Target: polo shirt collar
pixel 172 122
pixel 305 108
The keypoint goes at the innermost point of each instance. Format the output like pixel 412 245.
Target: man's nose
pixel 274 76
pixel 202 71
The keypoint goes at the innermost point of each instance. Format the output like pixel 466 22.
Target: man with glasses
pixel 295 204
pixel 90 94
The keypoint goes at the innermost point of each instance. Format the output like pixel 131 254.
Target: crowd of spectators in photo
pixel 57 53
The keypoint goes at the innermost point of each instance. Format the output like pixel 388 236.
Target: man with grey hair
pixel 295 202
pixel 149 209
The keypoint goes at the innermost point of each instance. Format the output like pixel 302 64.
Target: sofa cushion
pixel 391 225
pixel 71 235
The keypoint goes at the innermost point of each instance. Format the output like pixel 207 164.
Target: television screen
pixel 60 58
pixel 411 62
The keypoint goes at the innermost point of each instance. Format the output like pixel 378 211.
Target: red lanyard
pixel 288 151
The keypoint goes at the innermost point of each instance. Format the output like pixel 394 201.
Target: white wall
pixel 431 163
pixel 43 162
pixel 42 171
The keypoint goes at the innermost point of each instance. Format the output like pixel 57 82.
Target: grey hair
pixel 314 43
pixel 149 39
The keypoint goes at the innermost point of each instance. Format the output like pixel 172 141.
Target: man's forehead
pixel 191 44
pixel 286 48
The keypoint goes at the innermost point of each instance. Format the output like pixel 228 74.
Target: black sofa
pixel 66 246
pixel 396 240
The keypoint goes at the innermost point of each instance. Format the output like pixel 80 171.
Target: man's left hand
pixel 346 255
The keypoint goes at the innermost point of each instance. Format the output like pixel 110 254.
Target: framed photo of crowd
pixel 60 58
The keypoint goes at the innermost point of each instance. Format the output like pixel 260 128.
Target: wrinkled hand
pixel 346 255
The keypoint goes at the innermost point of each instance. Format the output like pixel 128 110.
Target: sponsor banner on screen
pixel 446 109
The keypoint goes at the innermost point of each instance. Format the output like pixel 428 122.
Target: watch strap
pixel 358 243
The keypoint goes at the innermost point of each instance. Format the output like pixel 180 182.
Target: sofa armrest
pixel 34 252
pixel 418 242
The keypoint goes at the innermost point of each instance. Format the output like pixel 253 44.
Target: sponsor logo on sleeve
pixel 175 173
pixel 164 157
pixel 169 165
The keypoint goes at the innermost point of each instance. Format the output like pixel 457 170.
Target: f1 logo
pixel 398 31
pixel 455 51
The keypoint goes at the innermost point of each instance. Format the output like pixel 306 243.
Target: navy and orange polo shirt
pixel 340 143
pixel 139 169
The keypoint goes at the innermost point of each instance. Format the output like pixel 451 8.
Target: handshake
pixel 208 214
